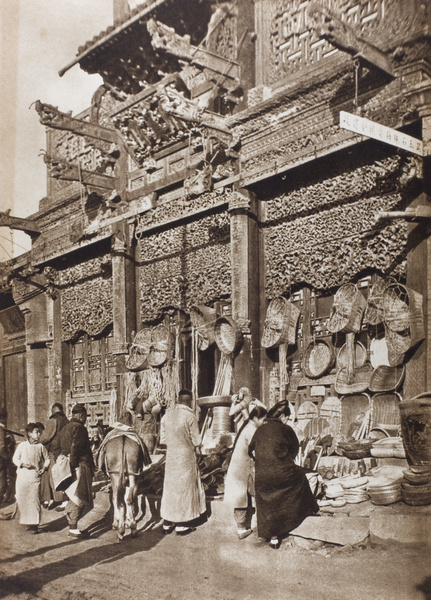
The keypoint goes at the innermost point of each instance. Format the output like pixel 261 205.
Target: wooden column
pixel 245 286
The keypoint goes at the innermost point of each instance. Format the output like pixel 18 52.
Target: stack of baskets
pixel 384 491
pixel 416 487
pixel 355 450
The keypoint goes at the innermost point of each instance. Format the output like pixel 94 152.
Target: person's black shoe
pixel 167 529
pixel 184 531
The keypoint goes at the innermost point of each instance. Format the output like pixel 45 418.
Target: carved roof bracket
pixel 27 225
pixel 61 169
pixel 330 26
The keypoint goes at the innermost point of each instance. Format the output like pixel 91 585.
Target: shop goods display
pixel 161 345
pixel 203 320
pixel 306 413
pixel 356 449
pixel 347 311
pixel 228 336
pixel 318 358
pixel 415 417
pixel 330 410
pixel 386 412
pixel 418 475
pixel 403 319
pixel 280 323
pixel 379 353
pixel 390 447
pixel 385 486
pixel 387 379
pixel 373 314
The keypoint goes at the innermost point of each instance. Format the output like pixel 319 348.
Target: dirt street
pixel 209 564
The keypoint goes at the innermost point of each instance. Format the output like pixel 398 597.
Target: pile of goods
pixel 345 490
pixel 385 485
pixel 416 486
pixel 389 447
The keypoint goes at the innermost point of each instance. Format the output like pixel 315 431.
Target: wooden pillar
pixel 245 286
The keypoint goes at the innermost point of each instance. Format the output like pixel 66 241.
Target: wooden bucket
pixel 280 323
pixel 348 309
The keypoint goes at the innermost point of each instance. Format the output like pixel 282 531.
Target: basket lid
pixel 228 336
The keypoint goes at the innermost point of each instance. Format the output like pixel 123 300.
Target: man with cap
pixel 75 443
pixel 50 439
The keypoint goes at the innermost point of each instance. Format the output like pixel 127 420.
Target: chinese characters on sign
pixel 380 132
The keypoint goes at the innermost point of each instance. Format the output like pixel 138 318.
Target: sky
pixel 37 39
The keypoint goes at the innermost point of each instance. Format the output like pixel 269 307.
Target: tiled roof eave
pixel 106 35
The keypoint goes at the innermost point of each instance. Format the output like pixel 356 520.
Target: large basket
pixel 305 414
pixel 356 384
pixel 360 355
pixel 280 323
pixel 318 358
pixel 403 313
pixel 387 379
pixel 228 336
pixel 203 319
pixel 161 345
pixel 398 344
pixel 373 314
pixel 385 410
pixel 351 407
pixel 348 309
pixel 139 351
pixel 416 428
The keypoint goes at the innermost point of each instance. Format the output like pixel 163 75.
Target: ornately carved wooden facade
pixel 211 170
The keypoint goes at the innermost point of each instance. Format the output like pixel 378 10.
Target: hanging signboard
pixel 380 132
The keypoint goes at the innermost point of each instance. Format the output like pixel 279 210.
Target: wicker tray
pixel 318 358
pixel 161 345
pixel 387 379
pixel 228 336
pixel 359 383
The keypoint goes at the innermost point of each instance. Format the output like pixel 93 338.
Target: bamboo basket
pixel 203 319
pixel 318 358
pixel 348 309
pixel 280 323
pixel 385 410
pixel 306 413
pixel 387 379
pixel 403 313
pixel 398 344
pixel 359 383
pixel 373 314
pixel 360 354
pixel 351 406
pixel 228 336
pixel 161 345
pixel 330 410
pixel 139 351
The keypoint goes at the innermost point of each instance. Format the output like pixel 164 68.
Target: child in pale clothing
pixel 31 459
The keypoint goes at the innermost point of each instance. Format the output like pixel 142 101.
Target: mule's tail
pixel 121 490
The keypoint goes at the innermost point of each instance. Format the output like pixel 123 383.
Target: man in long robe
pixel 50 439
pixel 183 498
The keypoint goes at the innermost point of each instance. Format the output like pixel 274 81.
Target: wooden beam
pixel 26 225
pixel 60 169
pixel 52 117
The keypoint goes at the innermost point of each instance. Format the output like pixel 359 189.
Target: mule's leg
pixel 118 504
pixel 130 497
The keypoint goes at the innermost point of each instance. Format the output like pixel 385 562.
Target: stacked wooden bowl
pixel 384 490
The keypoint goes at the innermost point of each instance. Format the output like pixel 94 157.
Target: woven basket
pixel 360 356
pixel 306 413
pixel 403 313
pixel 373 314
pixel 398 344
pixel 280 323
pixel 355 450
pixel 318 358
pixel 203 319
pixel 228 336
pixel 161 345
pixel 387 379
pixel 385 410
pixel 137 359
pixel 359 383
pixel 351 406
pixel 348 309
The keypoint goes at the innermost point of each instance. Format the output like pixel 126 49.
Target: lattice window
pixel 92 364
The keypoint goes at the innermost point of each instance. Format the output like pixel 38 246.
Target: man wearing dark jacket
pixel 75 443
pixel 50 439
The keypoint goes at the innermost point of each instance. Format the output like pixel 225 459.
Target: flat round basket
pixel 360 355
pixel 379 353
pixel 348 309
pixel 280 323
pixel 137 359
pixel 203 319
pixel 387 379
pixel 161 341
pixel 318 358
pixel 228 336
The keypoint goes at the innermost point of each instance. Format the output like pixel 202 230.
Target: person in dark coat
pixel 75 443
pixel 50 439
pixel 283 495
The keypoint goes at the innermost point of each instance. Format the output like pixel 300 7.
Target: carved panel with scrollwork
pixel 185 265
pixel 342 209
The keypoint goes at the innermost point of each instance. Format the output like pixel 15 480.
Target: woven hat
pixel 78 408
